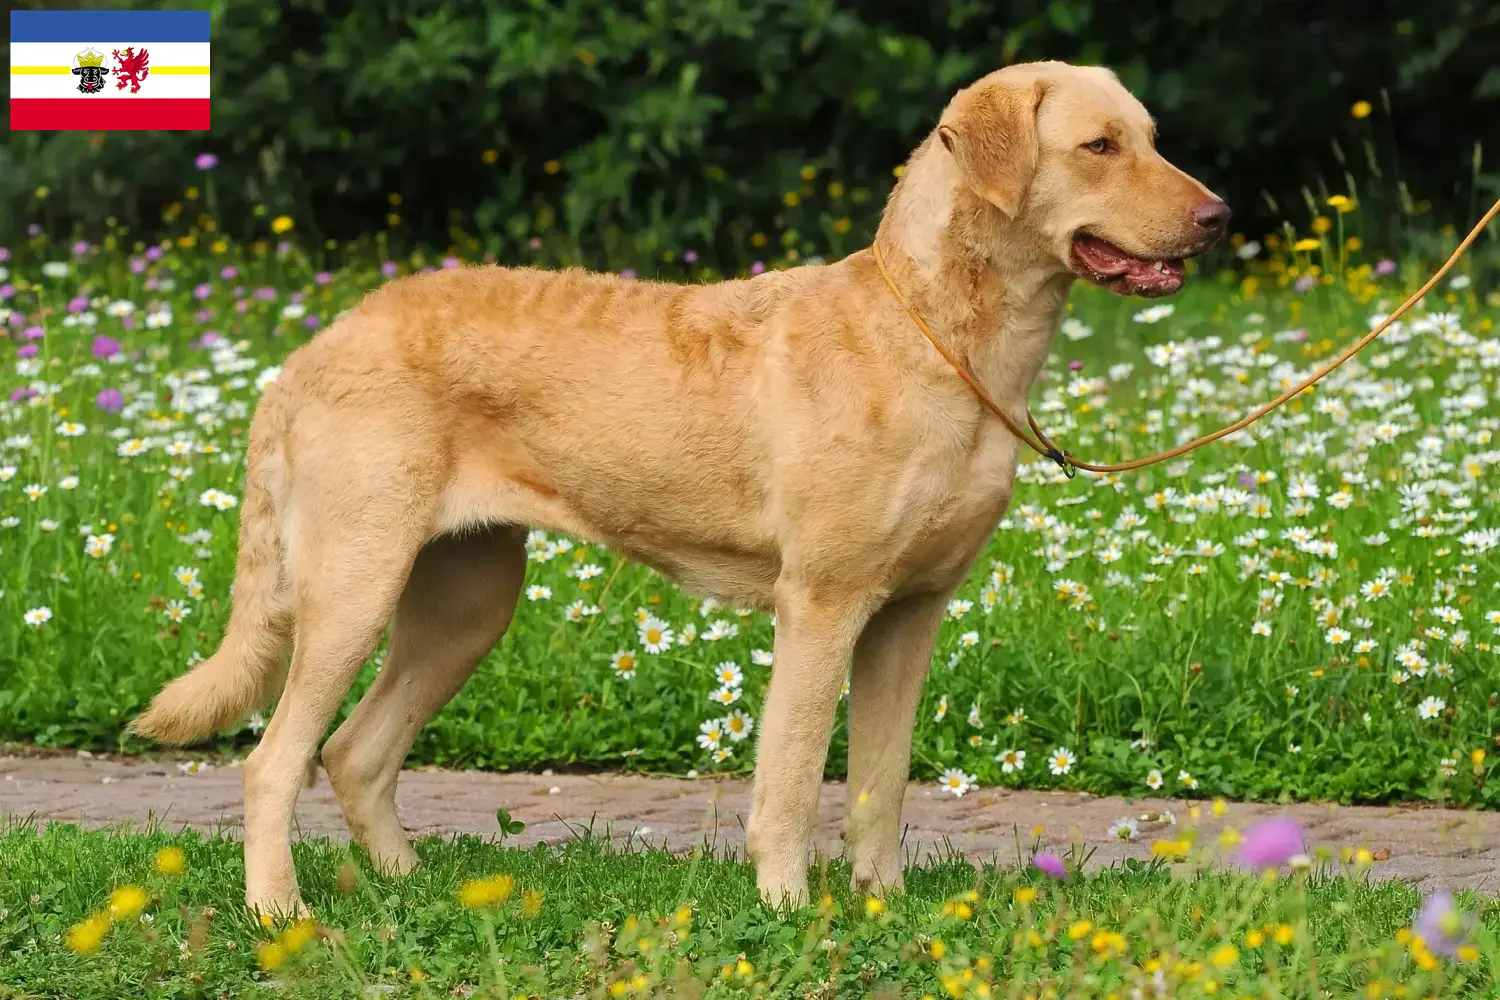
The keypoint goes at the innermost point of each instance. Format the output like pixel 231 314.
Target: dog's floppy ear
pixel 991 132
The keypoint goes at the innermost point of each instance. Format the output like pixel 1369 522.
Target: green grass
pixel 579 919
pixel 1110 618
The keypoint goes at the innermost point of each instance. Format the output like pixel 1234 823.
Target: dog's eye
pixel 1097 146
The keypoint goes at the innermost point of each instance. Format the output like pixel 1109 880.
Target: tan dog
pixel 789 441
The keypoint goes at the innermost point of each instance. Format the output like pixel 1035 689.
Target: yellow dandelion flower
pixel 1224 955
pixel 552 166
pixel 296 937
pixel 1284 934
pixel 531 902
pixel 270 957
pixel 1079 929
pixel 1254 939
pixel 1322 224
pixel 1361 109
pixel 127 901
pixel 490 891
pixel 791 199
pixel 171 861
pixel 809 172
pixel 874 907
pixel 1306 244
pixel 489 156
pixel 1025 895
pixel 84 938
pixel 936 948
pixel 281 224
pixel 1468 953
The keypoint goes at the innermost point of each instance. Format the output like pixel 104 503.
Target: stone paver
pixel 1440 847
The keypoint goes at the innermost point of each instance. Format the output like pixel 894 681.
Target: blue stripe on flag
pixel 124 27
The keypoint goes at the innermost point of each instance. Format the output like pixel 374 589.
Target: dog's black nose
pixel 1212 216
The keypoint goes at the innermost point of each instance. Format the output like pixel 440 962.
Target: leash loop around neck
pixel 1044 446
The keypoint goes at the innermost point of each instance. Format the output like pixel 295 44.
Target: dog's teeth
pixel 1159 266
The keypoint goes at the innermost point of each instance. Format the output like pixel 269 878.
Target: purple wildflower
pixel 535 243
pixel 1271 843
pixel 21 392
pixel 206 161
pixel 628 274
pixel 1247 482
pixel 26 351
pixel 77 304
pixel 757 267
pixel 1049 864
pixel 229 273
pixel 450 262
pixel 265 293
pixel 80 248
pixel 203 291
pixel 105 347
pixel 311 322
pixel 4 255
pixel 33 333
pixel 128 322
pixel 322 277
pixel 1440 924
pixel 284 247
pixel 137 265
pixel 6 291
pixel 1384 267
pixel 35 229
pixel 242 306
pixel 153 253
pixel 388 269
pixel 109 400
pixel 690 256
pixel 1305 282
pixel 1074 366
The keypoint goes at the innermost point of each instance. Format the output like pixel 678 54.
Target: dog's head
pixel 1068 154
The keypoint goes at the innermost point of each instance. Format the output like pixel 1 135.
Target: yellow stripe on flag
pixel 155 70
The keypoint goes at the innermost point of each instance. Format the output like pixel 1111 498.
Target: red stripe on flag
pixel 29 114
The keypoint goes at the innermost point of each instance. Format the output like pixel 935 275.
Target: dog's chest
pixel 952 517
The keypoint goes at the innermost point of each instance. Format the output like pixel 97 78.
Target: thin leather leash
pixel 1044 445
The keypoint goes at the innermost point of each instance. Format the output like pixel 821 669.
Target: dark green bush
pixel 636 127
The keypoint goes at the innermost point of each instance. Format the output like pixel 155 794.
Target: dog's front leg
pixel 816 628
pixel 890 666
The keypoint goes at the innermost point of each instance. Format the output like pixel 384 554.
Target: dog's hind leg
pixel 360 507
pixel 457 604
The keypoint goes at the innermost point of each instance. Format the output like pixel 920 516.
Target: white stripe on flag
pixel 62 53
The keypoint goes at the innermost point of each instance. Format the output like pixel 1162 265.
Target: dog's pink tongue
pixel 1145 277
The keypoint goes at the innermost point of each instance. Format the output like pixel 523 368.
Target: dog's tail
pixel 247 668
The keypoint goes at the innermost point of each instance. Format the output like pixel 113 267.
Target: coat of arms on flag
pixel 110 69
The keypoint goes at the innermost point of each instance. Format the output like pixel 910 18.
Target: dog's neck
pixel 985 284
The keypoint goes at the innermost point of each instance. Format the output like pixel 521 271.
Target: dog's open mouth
pixel 1106 264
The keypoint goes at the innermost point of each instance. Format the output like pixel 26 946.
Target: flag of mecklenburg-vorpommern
pixel 108 69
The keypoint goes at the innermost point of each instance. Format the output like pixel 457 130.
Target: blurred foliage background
pixel 632 129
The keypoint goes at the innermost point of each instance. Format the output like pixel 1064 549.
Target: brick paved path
pixel 1442 847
